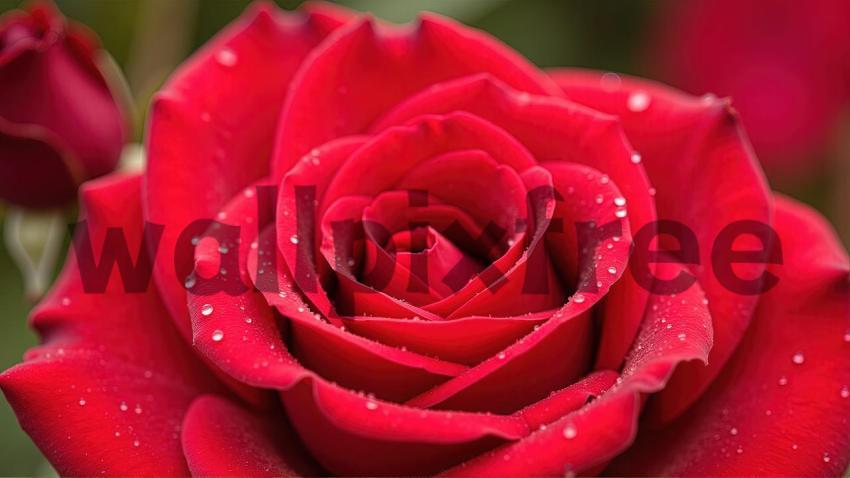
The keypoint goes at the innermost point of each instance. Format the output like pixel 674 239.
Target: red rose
pixel 412 256
pixel 787 68
pixel 59 123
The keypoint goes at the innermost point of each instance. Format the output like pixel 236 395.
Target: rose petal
pixel 207 139
pixel 556 130
pixel 707 178
pixel 107 391
pixel 767 414
pixel 335 95
pixel 222 438
pixel 584 440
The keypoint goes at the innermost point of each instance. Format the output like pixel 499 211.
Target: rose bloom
pixel 60 125
pixel 366 244
pixel 787 68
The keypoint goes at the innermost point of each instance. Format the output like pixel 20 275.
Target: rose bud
pixel 60 124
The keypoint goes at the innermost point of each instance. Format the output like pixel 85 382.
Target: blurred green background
pixel 148 38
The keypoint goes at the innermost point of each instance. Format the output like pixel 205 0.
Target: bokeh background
pixel 783 58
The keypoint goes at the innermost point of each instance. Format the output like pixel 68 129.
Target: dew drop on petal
pixel 612 270
pixel 578 298
pixel 371 405
pixel 570 431
pixel 621 213
pixel 620 201
pixel 217 335
pixel 293 239
pixel 733 431
pixel 783 380
pixel 123 407
pixel 610 81
pixel 82 402
pixel 636 158
pixel 845 392
pixel 226 57
pixel 798 358
pixel 206 310
pixel 638 101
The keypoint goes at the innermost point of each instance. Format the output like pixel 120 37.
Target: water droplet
pixel 138 409
pixel 620 201
pixel 570 431
pixel 826 457
pixel 293 239
pixel 733 431
pixel 217 335
pixel 847 336
pixel 783 381
pixel 599 199
pixel 682 337
pixel 638 101
pixel 578 298
pixel 371 405
pixel 636 158
pixel 189 282
pixel 845 392
pixel 610 81
pixel 652 192
pixel 798 358
pixel 136 443
pixel 501 356
pixel 740 450
pixel 66 301
pixel 621 213
pixel 206 310
pixel 226 57
pixel 222 249
pixel 604 179
pixel 612 270
pixel 82 402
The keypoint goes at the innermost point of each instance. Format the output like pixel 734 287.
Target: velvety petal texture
pixel 107 390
